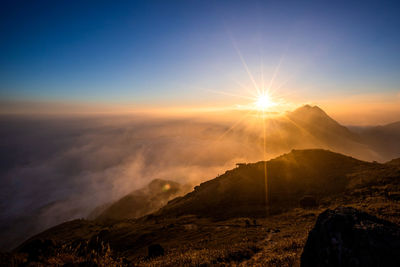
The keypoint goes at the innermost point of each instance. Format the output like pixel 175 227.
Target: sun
pixel 264 101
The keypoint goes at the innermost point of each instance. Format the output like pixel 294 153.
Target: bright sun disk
pixel 264 101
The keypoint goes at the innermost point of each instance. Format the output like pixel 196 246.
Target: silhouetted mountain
pixel 383 139
pixel 268 187
pixel 329 134
pixel 304 128
pixel 316 121
pixel 207 225
pixel 51 157
pixel 394 162
pixel 140 202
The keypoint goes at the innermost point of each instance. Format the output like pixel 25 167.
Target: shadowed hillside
pixel 259 188
pixel 317 122
pixel 329 134
pixel 385 139
pixel 66 167
pixel 140 202
pixel 229 219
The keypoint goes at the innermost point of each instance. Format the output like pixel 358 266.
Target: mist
pixel 58 168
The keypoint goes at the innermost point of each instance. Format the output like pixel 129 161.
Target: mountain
pixel 383 139
pixel 140 202
pixel 329 134
pixel 317 122
pixel 237 218
pixel 304 128
pixel 395 162
pixel 187 143
pixel 268 187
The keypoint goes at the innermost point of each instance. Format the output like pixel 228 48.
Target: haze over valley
pixel 68 166
pixel 200 133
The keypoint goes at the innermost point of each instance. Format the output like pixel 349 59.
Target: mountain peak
pixel 308 109
pixel 321 125
pixel 242 191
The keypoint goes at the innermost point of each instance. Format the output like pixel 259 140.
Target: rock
pixel 308 202
pixel 155 250
pixel 348 237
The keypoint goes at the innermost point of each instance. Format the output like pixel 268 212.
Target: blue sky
pixel 181 52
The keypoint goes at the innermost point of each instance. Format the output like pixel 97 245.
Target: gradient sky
pixel 177 53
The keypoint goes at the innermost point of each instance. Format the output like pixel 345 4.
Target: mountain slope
pixel 320 124
pixel 304 128
pixel 247 191
pixel 141 202
pixel 329 134
pixel 190 234
pixel 383 139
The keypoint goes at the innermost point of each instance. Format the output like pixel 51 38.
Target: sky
pixel 201 53
pixel 63 57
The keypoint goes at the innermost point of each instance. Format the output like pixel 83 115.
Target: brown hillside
pixel 261 188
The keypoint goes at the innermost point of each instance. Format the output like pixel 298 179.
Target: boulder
pixel 348 237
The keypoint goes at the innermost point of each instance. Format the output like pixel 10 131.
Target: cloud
pixel 60 168
pixel 55 168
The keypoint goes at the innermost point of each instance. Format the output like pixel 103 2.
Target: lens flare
pixel 166 187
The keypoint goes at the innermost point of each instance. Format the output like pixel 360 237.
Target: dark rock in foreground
pixel 348 237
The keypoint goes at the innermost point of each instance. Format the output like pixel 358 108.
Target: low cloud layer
pixel 58 168
pixel 55 169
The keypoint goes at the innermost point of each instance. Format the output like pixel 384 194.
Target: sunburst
pixel 264 101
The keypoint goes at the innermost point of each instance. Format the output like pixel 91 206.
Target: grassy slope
pixel 190 237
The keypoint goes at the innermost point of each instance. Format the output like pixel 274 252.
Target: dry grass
pixel 275 241
pixel 190 240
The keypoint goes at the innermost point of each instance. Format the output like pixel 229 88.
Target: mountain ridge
pixel 288 178
pixel 219 214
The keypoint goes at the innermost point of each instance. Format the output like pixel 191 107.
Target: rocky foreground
pixel 317 208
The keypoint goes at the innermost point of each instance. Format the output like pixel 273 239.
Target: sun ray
pixel 235 124
pixel 276 72
pixel 244 87
pixel 264 101
pixel 265 170
pixel 230 94
pixel 245 65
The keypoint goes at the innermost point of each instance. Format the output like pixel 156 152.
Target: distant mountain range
pixel 307 127
pixel 385 139
pixel 310 127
